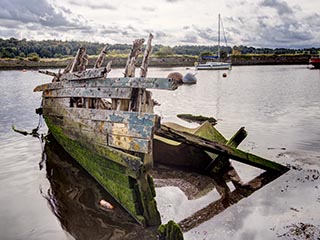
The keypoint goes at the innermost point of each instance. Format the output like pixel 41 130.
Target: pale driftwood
pixel 53 74
pixel 108 67
pixel 145 61
pixel 80 61
pixel 75 61
pixel 130 72
pixel 145 102
pixel 68 67
pixel 101 58
pixel 135 51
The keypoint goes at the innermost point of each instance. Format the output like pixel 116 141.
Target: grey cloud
pixel 160 35
pixel 148 9
pixel 190 38
pixel 34 11
pixel 208 34
pixel 93 5
pixel 236 3
pixel 116 31
pixel 279 5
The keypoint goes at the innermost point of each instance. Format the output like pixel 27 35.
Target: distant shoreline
pixel 174 61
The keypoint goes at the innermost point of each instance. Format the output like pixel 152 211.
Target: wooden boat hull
pixel 108 126
pixel 121 174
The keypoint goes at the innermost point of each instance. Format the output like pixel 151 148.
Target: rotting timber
pixel 109 127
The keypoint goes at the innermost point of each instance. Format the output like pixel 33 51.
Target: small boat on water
pixel 214 66
pixel 217 64
pixel 108 125
pixel 315 62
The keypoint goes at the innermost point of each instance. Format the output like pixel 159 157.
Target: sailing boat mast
pixel 219 37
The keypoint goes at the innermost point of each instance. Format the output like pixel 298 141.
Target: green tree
pixel 33 57
pixel 165 51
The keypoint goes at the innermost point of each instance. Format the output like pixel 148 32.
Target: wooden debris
pixel 170 231
pixel 145 60
pixel 221 149
pixel 101 58
pixel 197 118
pixel 106 204
pixel 135 51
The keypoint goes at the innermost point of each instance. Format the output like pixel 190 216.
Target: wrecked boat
pixel 108 125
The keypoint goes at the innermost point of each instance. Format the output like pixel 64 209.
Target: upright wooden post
pixel 101 58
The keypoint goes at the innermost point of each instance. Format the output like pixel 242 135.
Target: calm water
pixel 278 105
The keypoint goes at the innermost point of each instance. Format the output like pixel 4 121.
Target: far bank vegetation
pixel 47 49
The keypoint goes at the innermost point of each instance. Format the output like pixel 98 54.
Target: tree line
pixel 14 48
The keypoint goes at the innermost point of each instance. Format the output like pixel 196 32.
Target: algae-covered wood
pixel 113 176
pixel 221 149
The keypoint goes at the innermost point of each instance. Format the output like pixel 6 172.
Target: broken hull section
pixel 122 174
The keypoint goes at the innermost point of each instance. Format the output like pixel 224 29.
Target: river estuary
pixel 45 195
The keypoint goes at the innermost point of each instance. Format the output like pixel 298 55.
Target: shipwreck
pixel 108 125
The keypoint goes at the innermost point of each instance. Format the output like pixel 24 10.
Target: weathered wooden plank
pixel 124 82
pixel 130 65
pixel 146 55
pixel 107 121
pixel 104 128
pixel 221 149
pixel 47 86
pixel 129 130
pixel 219 161
pixel 52 102
pixel 89 92
pixel 101 58
pixel 98 144
pixel 88 74
pixel 146 119
pixel 129 143
pixel 139 82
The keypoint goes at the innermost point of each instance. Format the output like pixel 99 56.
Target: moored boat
pixel 217 64
pixel 213 66
pixel 315 62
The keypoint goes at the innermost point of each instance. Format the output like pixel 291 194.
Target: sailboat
pixel 215 65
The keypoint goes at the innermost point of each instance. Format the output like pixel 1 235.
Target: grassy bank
pixel 119 60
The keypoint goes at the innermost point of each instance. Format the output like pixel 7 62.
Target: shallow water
pixel 278 105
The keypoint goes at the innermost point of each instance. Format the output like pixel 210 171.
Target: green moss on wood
pixel 170 231
pixel 137 196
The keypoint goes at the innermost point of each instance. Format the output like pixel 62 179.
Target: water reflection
pixel 204 195
pixel 73 198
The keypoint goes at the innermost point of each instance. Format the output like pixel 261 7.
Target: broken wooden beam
pixel 197 118
pixel 220 149
pixel 220 162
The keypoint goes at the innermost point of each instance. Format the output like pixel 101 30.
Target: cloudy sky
pixel 258 23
